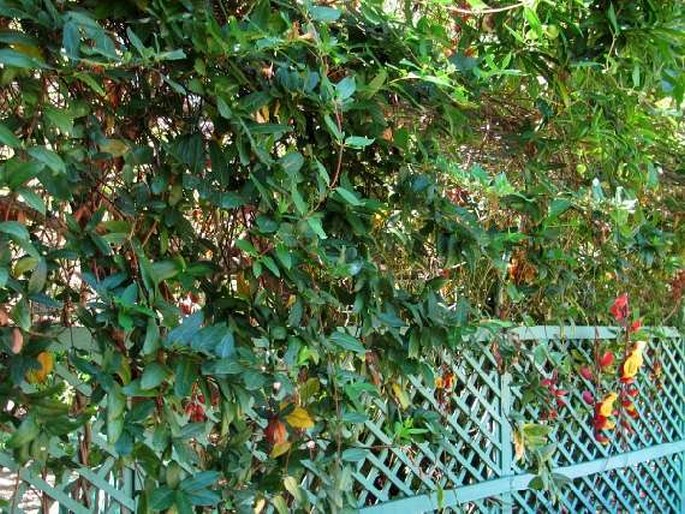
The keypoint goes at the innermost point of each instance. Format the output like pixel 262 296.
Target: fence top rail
pixel 80 337
pixel 583 332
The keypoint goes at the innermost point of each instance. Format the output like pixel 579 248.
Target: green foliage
pixel 283 206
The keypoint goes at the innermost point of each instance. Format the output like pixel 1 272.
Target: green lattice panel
pixel 650 487
pixel 467 439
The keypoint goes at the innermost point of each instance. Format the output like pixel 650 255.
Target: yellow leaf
pixel 243 285
pixel 259 505
pixel 279 449
pixel 299 418
pixel 634 361
pixel 29 50
pixel 115 147
pixel 401 395
pixel 519 446
pixel 607 405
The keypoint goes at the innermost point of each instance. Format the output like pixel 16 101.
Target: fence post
pixel 505 434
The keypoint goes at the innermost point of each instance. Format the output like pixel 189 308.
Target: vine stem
pixel 489 10
pixel 336 176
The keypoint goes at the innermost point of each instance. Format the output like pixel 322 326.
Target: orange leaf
pixel 46 362
pixel 276 432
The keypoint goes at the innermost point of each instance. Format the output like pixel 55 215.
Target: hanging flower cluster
pixel 556 395
pixel 606 411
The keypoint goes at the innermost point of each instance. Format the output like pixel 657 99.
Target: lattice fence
pixel 470 468
pixel 464 461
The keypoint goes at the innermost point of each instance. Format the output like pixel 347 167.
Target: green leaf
pixel 348 196
pixel 184 332
pixel 14 229
pixel 199 481
pixel 162 498
pixel 348 342
pixel 38 277
pixel 8 138
pixel 324 14
pixel 185 375
pixel 293 487
pixel 116 404
pixel 284 256
pixel 559 206
pixel 151 341
pixel 611 15
pixel 333 128
pixel 226 346
pixel 224 110
pixel 345 88
pixel 19 172
pixel 354 454
pixel 203 498
pixel 477 5
pixel 153 375
pixel 315 224
pixel 60 119
pixel 30 198
pixel 21 314
pixel 292 162
pixel 48 157
pixel 136 42
pixel 358 142
pixel 163 270
pixel 16 59
pixel 376 84
pixel 280 505
pixel 182 503
pixel 247 247
pixel 271 265
pixel 27 431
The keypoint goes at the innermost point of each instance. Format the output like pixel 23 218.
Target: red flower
pixel 601 438
pixel 588 397
pixel 586 373
pixel 635 326
pixel 620 307
pixel 606 360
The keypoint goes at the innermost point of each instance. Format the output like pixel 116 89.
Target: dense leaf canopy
pixel 326 196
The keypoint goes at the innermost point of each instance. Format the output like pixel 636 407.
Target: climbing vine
pixel 268 214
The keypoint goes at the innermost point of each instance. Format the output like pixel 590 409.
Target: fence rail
pixel 468 463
